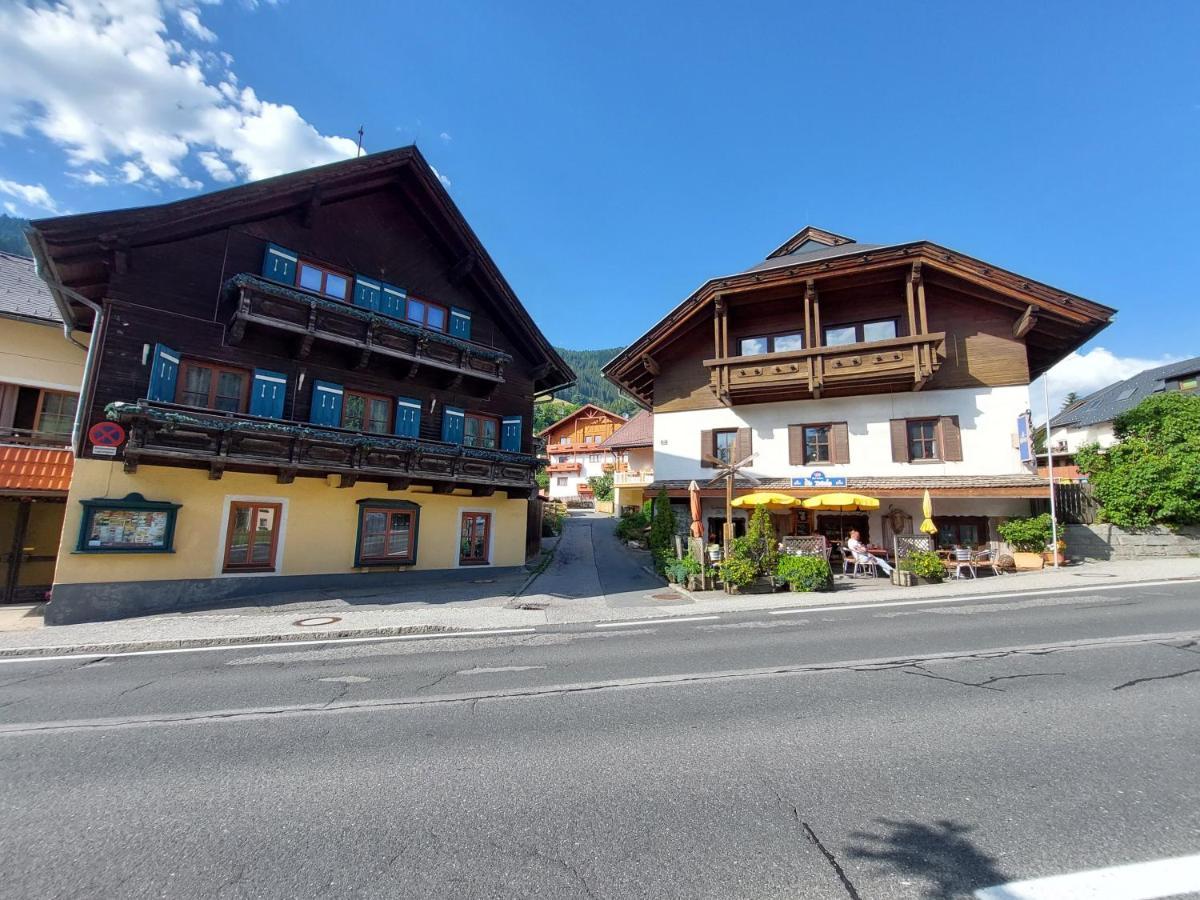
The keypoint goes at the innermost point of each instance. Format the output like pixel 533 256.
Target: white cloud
pixel 131 172
pixel 445 136
pixel 1085 373
pixel 90 177
pixel 33 196
pixel 440 177
pixel 109 83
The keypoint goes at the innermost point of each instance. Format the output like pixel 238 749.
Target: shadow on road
pixel 940 853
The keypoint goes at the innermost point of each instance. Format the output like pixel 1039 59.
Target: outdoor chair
pixel 853 566
pixel 962 560
pixel 986 559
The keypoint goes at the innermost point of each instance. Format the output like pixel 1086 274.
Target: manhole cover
pixel 671 596
pixel 1094 574
pixel 532 606
pixel 317 620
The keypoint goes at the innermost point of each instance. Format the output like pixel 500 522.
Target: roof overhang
pixel 1073 320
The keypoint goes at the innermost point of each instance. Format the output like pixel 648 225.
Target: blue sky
pixel 614 156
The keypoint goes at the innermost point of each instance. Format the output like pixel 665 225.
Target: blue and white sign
pixel 1025 438
pixel 818 479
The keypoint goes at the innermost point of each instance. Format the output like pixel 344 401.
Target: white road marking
pixel 1089 589
pixel 1137 881
pixel 655 621
pixel 498 669
pixel 279 645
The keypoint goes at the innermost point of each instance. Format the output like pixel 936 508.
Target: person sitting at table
pixel 855 546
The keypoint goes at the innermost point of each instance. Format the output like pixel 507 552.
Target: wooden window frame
pixel 716 437
pixel 770 339
pixel 858 329
pixel 828 429
pixel 424 323
pixel 40 408
pixel 390 403
pixel 480 418
pixel 369 505
pixel 326 271
pixel 487 538
pixel 948 524
pixel 936 438
pixel 226 565
pixel 186 363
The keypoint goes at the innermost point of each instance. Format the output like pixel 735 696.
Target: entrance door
pixel 474 539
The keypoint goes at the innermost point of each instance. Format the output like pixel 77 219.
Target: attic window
pixel 1125 394
pixel 810 245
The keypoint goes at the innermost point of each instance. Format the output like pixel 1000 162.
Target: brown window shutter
pixel 900 440
pixel 795 445
pixel 951 438
pixel 744 444
pixel 839 443
pixel 706 449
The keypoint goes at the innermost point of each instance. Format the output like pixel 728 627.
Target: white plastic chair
pixel 854 565
pixel 962 560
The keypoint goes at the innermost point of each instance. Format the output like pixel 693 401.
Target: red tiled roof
pixel 637 432
pixel 34 469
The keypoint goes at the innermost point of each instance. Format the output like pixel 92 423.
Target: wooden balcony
pixel 364 333
pixel 897 364
pixel 27 437
pixel 567 468
pixel 633 479
pixel 166 434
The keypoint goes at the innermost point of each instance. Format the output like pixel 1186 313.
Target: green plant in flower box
pixel 924 564
pixel 806 573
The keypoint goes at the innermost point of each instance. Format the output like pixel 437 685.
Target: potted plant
pixel 1059 551
pixel 806 573
pixel 925 566
pixel 754 558
pixel 1029 539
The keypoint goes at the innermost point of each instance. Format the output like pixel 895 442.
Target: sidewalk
pixel 496 605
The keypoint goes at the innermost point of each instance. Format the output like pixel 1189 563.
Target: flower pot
pixel 1048 557
pixel 901 578
pixel 1027 562
pixel 762 585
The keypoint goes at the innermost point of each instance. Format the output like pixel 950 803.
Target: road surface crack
pixel 986 684
pixel 1189 647
pixel 851 891
pixel 1121 687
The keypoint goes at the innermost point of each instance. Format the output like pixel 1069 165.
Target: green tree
pixel 761 544
pixel 1070 400
pixel 1152 475
pixel 590 385
pixel 662 524
pixel 547 412
pixel 602 486
pixel 543 479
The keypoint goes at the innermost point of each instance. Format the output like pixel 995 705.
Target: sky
pixel 612 157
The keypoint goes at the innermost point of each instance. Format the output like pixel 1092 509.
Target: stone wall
pixel 1111 542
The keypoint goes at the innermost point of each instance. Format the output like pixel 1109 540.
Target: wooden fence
pixel 1074 502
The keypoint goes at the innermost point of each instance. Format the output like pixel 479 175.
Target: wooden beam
pixel 483 490
pixel 651 366
pixel 347 480
pixel 1025 323
pixel 444 487
pixel 216 469
pixel 908 297
pixel 399 484
pixel 285 476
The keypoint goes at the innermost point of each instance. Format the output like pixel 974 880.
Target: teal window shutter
pixel 452 425
pixel 366 292
pixel 326 404
pixel 510 434
pixel 408 417
pixel 279 264
pixel 460 323
pixel 391 300
pixel 164 373
pixel 267 393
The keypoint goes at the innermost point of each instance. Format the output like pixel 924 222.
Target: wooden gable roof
pixel 589 409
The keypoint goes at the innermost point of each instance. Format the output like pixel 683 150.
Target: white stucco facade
pixel 987 419
pixel 1077 436
pixel 565 485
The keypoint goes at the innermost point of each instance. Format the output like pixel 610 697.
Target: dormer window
pixel 322 280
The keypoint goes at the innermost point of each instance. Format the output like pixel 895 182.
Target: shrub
pixel 806 573
pixel 924 564
pixel 602 486
pixel 738 571
pixel 662 525
pixel 632 526
pixel 760 544
pixel 553 517
pixel 1032 535
pixel 1152 476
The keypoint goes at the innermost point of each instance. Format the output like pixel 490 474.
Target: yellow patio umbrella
pixel 769 499
pixel 840 502
pixel 927 526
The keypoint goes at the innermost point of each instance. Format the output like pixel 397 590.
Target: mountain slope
pixel 12 235
pixel 591 386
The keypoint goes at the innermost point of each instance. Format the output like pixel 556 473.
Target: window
pixel 473 546
pixel 771 343
pixel 593 457
pixel 56 412
pixel 566 441
pixel 816 444
pixel 1188 384
pixel 922 439
pixel 212 386
pixel 563 459
pixel 421 312
pixel 480 431
pixel 560 481
pixel 321 280
pixel 881 330
pixel 962 531
pixel 253 536
pixel 723 442
pixel 387 533
pixel 366 412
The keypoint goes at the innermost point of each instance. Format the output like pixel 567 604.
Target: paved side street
pixel 591 577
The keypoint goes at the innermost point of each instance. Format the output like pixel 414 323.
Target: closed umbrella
pixel 927 525
pixel 694 504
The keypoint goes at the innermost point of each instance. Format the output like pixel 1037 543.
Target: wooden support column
pixel 923 350
pixel 810 300
pixel 908 296
pixel 816 377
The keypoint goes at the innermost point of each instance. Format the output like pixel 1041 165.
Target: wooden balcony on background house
pixel 166 434
pixel 896 364
pixel 567 468
pixel 364 333
pixel 633 479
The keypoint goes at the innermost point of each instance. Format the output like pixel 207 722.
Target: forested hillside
pixel 12 235
pixel 591 386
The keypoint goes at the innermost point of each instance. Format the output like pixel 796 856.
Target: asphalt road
pixel 898 751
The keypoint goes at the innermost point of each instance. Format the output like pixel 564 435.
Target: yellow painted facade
pixel 37 355
pixel 319 524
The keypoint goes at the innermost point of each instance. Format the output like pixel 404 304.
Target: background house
pixel 574 448
pixel 632 446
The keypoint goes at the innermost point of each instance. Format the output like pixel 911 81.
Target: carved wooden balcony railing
pixel 364 332
pixel 166 434
pixel 564 468
pixel 904 363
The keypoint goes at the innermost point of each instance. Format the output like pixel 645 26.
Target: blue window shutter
pixel 460 323
pixel 366 292
pixel 267 393
pixel 326 404
pixel 452 425
pixel 279 264
pixel 408 417
pixel 391 300
pixel 164 372
pixel 510 434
